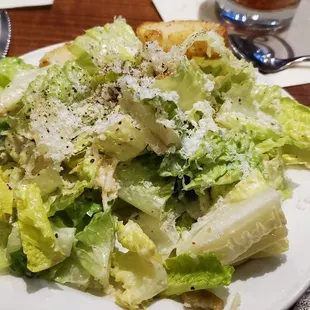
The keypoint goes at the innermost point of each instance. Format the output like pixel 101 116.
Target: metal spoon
pixel 5 33
pixel 264 61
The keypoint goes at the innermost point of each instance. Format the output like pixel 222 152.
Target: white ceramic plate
pixel 265 284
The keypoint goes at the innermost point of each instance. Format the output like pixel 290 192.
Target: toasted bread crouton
pixel 57 56
pixel 175 32
pixel 202 300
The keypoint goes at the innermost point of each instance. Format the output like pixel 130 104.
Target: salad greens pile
pixel 140 172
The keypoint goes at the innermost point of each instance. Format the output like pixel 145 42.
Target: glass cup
pixel 257 15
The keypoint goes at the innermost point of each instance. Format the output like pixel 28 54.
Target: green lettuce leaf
pixel 226 72
pixel 141 279
pixel 155 112
pixel 188 272
pixel 141 185
pixel 71 272
pixel 251 208
pixel 292 155
pixel 10 67
pixel 223 159
pixel 241 111
pixel 105 45
pixel 38 239
pixel 95 245
pixel 6 196
pixel 13 92
pixel 81 211
pixel 162 232
pixel 19 265
pixel 5 230
pixel 191 84
pixel 122 140
pixel 67 196
pixel 132 237
pixel 294 119
pixel 14 242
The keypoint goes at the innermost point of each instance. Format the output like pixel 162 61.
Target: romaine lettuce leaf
pixel 162 232
pixel 38 239
pixel 223 159
pixel 19 265
pixel 139 269
pixel 81 211
pixel 295 119
pixel 106 45
pixel 132 237
pixel 141 279
pixel 122 140
pixel 292 155
pixel 191 84
pixel 6 198
pixel 71 272
pixel 48 180
pixel 10 67
pixel 268 241
pixel 5 230
pixel 241 111
pixel 95 245
pixel 14 241
pixel 64 239
pixel 274 249
pixel 67 196
pixel 13 93
pixel 155 112
pixel 141 185
pixel 244 213
pixel 188 272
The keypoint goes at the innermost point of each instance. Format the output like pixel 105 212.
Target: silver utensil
pixel 263 60
pixel 5 33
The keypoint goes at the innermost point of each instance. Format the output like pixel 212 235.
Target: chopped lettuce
pixel 144 188
pixel 132 237
pixel 294 119
pixel 241 212
pixel 81 211
pixel 6 198
pixel 189 82
pixel 139 270
pixel 150 109
pixel 106 45
pixel 5 230
pixel 38 239
pixel 141 279
pixel 9 68
pixel 13 93
pixel 14 242
pixel 162 232
pixel 122 140
pixel 70 271
pixel 292 155
pixel 67 196
pixel 188 272
pixel 95 245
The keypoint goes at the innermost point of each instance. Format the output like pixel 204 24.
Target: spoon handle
pixel 289 62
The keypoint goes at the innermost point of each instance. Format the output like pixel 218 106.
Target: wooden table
pixel 41 26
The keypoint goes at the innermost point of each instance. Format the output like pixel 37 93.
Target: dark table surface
pixel 41 26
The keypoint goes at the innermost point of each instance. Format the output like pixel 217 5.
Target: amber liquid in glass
pixel 267 5
pixel 257 15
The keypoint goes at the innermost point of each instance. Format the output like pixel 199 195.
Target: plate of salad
pixel 137 177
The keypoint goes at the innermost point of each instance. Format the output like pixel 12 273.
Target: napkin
pixel 294 36
pixel 9 4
